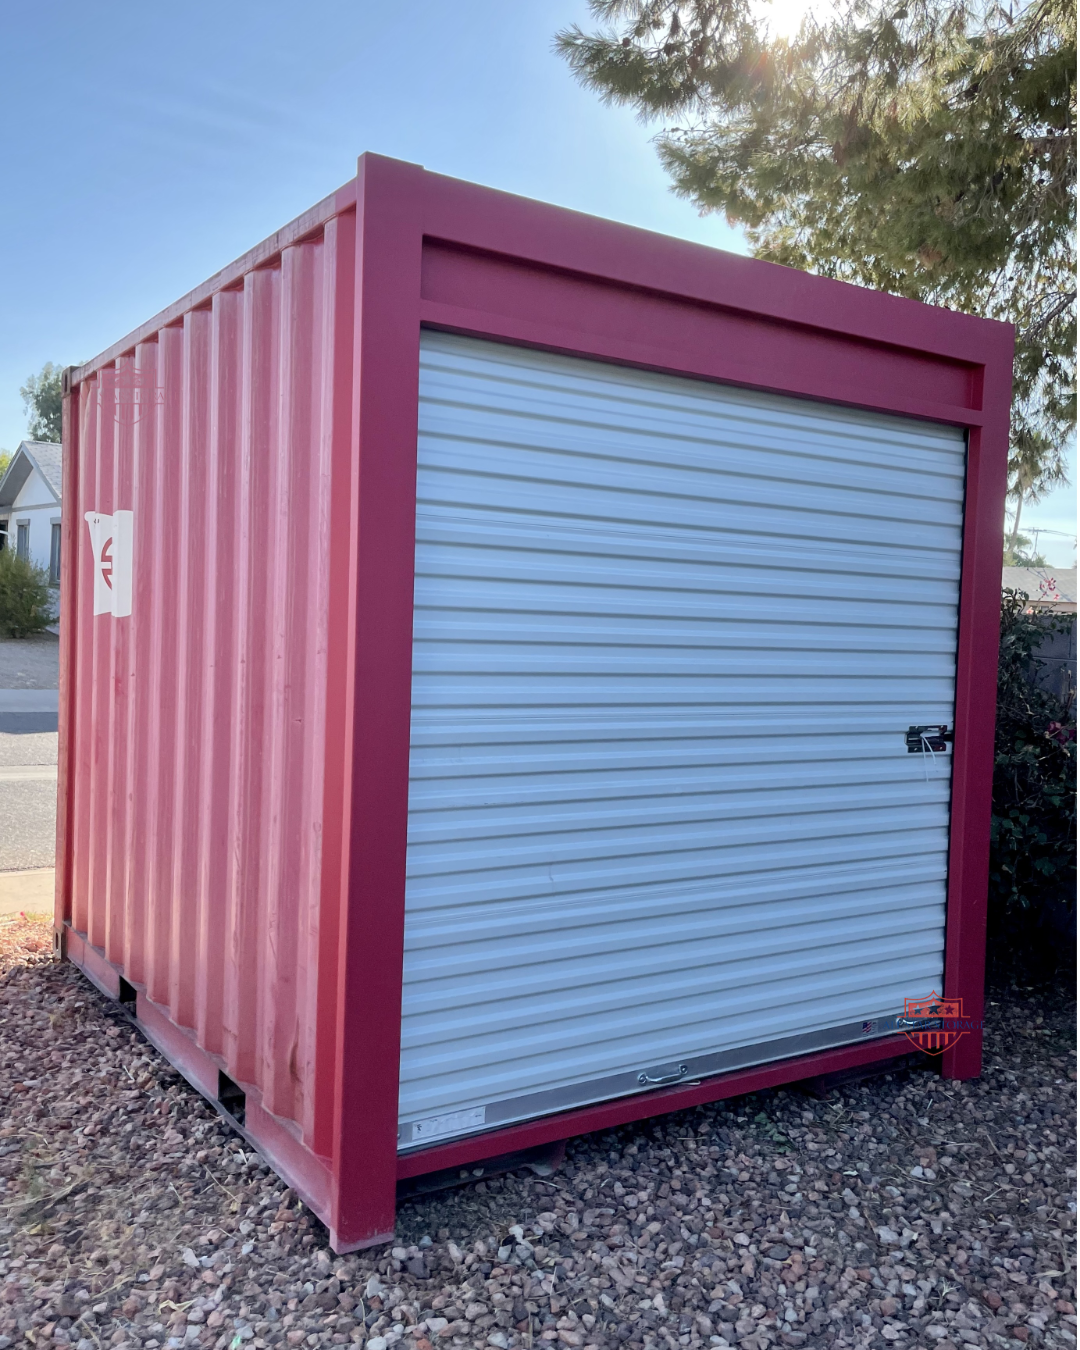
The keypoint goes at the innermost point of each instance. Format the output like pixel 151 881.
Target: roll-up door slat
pixel 668 638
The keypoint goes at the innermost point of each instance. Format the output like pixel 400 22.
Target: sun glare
pixel 784 16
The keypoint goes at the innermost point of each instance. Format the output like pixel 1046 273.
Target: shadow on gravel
pixel 898 1211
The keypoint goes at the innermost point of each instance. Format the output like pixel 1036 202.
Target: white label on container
pixel 454 1122
pixel 112 539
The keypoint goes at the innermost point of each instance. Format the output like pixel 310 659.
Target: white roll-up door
pixel 669 637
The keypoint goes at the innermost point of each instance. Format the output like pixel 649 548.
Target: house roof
pixel 46 457
pixel 1045 587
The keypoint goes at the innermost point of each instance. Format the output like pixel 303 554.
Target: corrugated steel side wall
pixel 203 853
pixel 668 638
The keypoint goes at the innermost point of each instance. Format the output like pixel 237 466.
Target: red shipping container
pixel 240 673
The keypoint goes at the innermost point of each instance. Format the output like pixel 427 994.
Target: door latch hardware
pixel 927 740
pixel 680 1072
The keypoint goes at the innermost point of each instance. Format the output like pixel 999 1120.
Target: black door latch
pixel 927 740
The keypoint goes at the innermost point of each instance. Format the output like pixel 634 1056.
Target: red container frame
pixel 436 252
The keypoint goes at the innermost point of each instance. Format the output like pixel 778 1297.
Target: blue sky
pixel 147 145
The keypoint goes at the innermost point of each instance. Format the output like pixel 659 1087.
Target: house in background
pixel 31 492
pixel 1050 590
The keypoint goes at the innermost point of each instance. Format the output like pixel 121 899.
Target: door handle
pixel 646 1081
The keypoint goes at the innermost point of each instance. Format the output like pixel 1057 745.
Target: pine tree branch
pixel 1048 318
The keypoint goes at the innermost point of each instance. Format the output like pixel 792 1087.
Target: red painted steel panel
pixel 234 757
pixel 195 747
pixel 749 345
pixel 340 525
pixel 387 354
pixel 976 703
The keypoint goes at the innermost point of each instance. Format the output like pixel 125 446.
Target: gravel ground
pixel 898 1211
pixel 30 663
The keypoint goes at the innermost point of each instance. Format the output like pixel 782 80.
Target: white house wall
pixel 36 504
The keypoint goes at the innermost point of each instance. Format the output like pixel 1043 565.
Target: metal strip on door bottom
pixel 450 1125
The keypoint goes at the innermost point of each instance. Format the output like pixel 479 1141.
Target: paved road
pixel 29 670
pixel 28 710
pixel 30 663
pixel 27 799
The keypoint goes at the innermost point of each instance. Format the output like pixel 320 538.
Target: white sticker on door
pixel 112 539
pixel 454 1122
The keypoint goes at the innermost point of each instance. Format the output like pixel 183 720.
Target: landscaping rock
pixel 899 1211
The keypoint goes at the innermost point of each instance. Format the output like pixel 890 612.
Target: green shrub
pixel 1033 829
pixel 26 605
